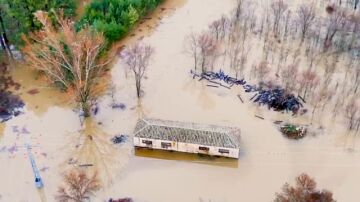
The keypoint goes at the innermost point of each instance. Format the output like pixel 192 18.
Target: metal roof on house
pixel 210 135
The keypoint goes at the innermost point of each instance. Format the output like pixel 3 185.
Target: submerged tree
pixel 68 58
pixel 308 80
pixel 78 187
pixel 137 58
pixel 192 47
pixel 278 9
pixel 304 191
pixel 352 114
pixel 208 50
pixel 305 18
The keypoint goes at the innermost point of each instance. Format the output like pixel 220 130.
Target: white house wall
pixel 186 147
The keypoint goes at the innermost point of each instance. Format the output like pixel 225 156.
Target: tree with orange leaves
pixel 304 191
pixel 78 187
pixel 68 58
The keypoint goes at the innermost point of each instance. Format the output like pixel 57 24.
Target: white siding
pixel 186 147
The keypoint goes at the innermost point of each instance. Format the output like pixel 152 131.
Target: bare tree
pixel 67 57
pixel 289 76
pixel 238 9
pixel 305 18
pixel 336 21
pixel 234 50
pixel 192 47
pixel 263 69
pixel 218 27
pixel 208 50
pixel 320 98
pixel 352 113
pixel 356 77
pixel 215 28
pixel 307 80
pixel 304 190
pixel 278 8
pixel 287 25
pixel 78 187
pixel 356 3
pixel 137 58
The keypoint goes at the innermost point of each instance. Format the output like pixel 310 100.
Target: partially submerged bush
pixel 292 131
pixel 304 191
pixel 10 105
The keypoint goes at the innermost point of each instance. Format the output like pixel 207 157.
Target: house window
pixel 147 142
pixel 204 148
pixel 223 151
pixel 165 144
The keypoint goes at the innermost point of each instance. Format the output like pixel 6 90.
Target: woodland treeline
pixel 311 49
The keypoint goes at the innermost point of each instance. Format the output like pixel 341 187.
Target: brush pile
pixel 292 131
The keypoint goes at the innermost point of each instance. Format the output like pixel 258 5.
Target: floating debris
pixel 86 165
pixel 13 149
pixel 33 91
pixel 292 131
pixel 3 149
pixel 212 86
pixel 43 169
pixel 239 96
pixel 118 106
pixel 121 200
pixel 118 139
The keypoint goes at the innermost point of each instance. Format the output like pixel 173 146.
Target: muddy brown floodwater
pixel 267 160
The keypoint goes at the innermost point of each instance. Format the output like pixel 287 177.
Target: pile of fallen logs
pixel 278 99
pixel 274 97
pixel 221 76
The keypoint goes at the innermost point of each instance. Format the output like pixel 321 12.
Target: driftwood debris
pixel 119 139
pixel 239 96
pixel 259 117
pixel 301 98
pixel 86 165
pixel 212 86
pixel 221 76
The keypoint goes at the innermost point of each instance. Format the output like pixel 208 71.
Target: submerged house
pixel 187 137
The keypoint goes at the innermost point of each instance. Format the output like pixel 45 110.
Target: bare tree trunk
pixel 3 38
pixel 313 112
pixel 86 108
pixel 138 85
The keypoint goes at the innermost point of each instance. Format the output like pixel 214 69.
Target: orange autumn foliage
pixel 67 57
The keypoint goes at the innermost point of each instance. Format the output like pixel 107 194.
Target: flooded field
pixel 62 140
